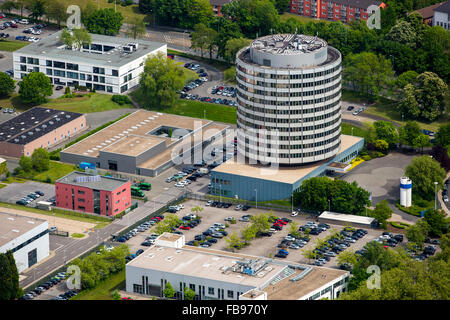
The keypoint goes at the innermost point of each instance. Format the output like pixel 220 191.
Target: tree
pixel 7 85
pixel 37 8
pixel 381 145
pixel 425 98
pixel 233 241
pixel 183 14
pixel 25 164
pixel 170 221
pixel 169 291
pixel 196 209
pixel 35 88
pixel 160 80
pixel 309 254
pixel 66 38
pixel 367 72
pixel 189 294
pixel 57 11
pixel 281 5
pixel 8 6
pixel 21 4
pixel 424 171
pixel 146 6
pixel 203 38
pixel 40 160
pixel 409 132
pixel 9 277
pixel 386 131
pixel 421 141
pixel 260 222
pixel 116 295
pixel 136 29
pixel 229 75
pixel 440 154
pixel 405 78
pixel 443 135
pixel 79 38
pixel 293 228
pixel 104 21
pixel 404 33
pixel 227 29
pixel 347 256
pixel 249 233
pixel 382 212
pixel 436 221
pixel 232 47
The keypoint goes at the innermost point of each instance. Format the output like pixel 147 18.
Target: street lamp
pixel 435 196
pixel 352 130
pixel 220 193
pixel 329 205
pixel 256 191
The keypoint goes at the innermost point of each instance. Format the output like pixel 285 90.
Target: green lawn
pixel 77 235
pixel 346 128
pixel 386 108
pixel 105 289
pixel 12 45
pixel 195 109
pixel 99 221
pixel 221 65
pixel 95 102
pixel 129 13
pixel 57 170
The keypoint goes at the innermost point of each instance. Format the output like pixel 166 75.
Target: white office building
pixel 289 99
pixel 220 275
pixel 26 237
pixel 441 16
pixel 109 64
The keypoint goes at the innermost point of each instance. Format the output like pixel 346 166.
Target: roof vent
pixel 44 126
pixel 30 133
pixel 50 122
pixel 22 122
pixel 23 137
pixel 12 128
pixel 16 140
pixel 68 116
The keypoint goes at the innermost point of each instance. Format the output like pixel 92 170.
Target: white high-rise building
pixel 289 99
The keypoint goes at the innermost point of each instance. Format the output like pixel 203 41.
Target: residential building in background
pixel 427 13
pixel 26 237
pixel 102 195
pixel 442 16
pixel 110 64
pixel 336 10
pixel 38 128
pixel 219 275
pixel 217 6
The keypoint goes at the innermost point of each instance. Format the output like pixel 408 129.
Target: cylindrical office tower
pixel 289 99
pixel 405 192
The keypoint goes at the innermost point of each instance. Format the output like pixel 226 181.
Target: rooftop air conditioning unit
pixel 127 49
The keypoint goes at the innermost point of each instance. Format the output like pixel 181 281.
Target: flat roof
pixel 280 174
pixel 165 156
pixel 210 263
pixel 139 123
pixel 13 226
pixel 51 48
pixel 167 236
pixel 346 217
pixel 103 183
pixel 33 124
pixel 286 289
pixel 132 145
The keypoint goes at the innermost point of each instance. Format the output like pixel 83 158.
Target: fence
pixel 59 233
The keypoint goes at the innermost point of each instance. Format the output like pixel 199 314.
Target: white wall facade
pixel 441 19
pixel 41 244
pixel 127 76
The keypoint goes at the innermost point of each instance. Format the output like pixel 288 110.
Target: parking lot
pixel 15 191
pixel 263 246
pixel 14 32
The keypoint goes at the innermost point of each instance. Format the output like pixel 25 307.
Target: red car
pixel 185 228
pixel 156 218
pixel 278 225
pixel 281 221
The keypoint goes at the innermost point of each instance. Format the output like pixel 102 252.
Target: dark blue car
pixel 282 251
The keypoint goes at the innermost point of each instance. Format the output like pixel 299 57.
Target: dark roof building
pixel 38 127
pixel 441 16
pixel 427 13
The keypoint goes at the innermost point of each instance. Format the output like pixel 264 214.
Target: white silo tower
pixel 405 192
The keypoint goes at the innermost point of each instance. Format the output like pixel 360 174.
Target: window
pixel 72 66
pixel 60 65
pixel 230 294
pixel 23 60
pixel 80 192
pixel 81 208
pixel 192 286
pixel 49 72
pixel 80 200
pixel 210 290
pixel 115 73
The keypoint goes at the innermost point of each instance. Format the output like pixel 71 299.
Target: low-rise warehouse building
pixel 344 219
pixel 26 237
pixel 38 128
pixel 219 275
pixel 144 143
pixel 106 196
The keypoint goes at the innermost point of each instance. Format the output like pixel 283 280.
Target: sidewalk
pixel 441 202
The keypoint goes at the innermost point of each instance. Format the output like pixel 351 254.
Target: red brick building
pixel 100 195
pixel 217 6
pixel 343 10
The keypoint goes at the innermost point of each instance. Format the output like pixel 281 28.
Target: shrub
pixel 233 221
pixel 227 225
pixel 377 154
pixel 54 155
pixel 366 157
pixel 48 179
pixel 67 91
pixel 396 225
pixel 121 100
